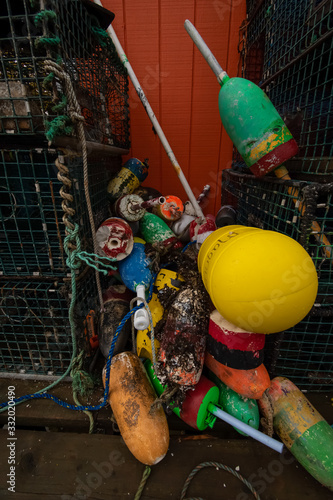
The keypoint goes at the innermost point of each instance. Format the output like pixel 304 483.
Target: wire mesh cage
pixel 289 54
pixel 32 231
pixel 303 353
pixel 33 100
pixel 35 331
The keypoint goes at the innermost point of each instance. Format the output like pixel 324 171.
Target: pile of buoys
pixel 216 290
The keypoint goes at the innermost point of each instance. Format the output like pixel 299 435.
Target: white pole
pixel 242 426
pixel 153 119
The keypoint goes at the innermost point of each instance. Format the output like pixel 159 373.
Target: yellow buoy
pixel 262 281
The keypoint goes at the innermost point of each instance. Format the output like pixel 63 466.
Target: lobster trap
pixel 303 211
pixel 32 230
pixel 33 100
pixel 35 334
pixel 288 53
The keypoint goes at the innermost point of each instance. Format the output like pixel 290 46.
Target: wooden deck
pixel 56 458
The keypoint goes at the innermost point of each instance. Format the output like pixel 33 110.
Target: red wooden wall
pixel 180 87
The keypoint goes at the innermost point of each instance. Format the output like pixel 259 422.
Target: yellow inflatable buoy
pixel 259 280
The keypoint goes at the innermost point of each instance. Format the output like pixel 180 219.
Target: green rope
pixel 45 41
pixel 48 15
pixel 48 79
pixel 216 465
pixel 83 384
pixel 62 104
pixel 101 34
pixel 145 476
pixel 61 124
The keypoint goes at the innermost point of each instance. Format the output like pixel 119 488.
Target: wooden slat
pixel 62 466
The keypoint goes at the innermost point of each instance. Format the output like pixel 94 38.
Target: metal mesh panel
pixel 31 228
pixel 289 54
pixel 304 353
pixel 35 334
pixel 71 36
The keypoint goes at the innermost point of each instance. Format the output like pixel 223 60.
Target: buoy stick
pixel 203 193
pixel 153 119
pixel 242 426
pixel 148 204
pixel 220 74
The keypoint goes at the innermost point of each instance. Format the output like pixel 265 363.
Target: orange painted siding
pixel 180 87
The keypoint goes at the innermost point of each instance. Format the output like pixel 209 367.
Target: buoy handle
pixel 141 319
pixel 220 74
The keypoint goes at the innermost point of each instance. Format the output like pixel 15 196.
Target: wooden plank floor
pixel 68 463
pixel 63 466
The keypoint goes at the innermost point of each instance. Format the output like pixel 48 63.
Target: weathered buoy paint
pixel 240 407
pixel 171 210
pixel 123 207
pixel 181 227
pixel 302 429
pixel 254 126
pixel 155 230
pixel 116 301
pixel 115 238
pixel 183 342
pixel 129 177
pixel 248 383
pixel 135 270
pixel 164 279
pixel 233 346
pixel 131 395
pixel 194 410
pixel 199 230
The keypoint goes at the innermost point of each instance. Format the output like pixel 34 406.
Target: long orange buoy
pixel 143 428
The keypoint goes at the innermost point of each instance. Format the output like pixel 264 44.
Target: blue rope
pixel 187 245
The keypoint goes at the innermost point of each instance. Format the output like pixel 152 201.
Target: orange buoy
pixel 144 430
pixel 248 383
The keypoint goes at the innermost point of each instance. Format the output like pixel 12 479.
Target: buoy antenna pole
pixel 220 74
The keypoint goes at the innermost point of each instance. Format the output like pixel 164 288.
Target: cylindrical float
pixel 156 230
pixel 302 429
pixel 129 177
pixel 181 227
pixel 236 357
pixel 116 301
pixel 233 346
pixel 123 207
pixel 115 238
pixel 262 281
pixel 199 230
pixel 131 395
pixel 136 274
pixel 243 408
pixel 254 126
pixel 183 342
pixel 226 216
pixel 171 210
pixel 165 279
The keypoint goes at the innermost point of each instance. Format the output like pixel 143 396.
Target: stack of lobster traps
pixel 58 68
pixel 287 51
